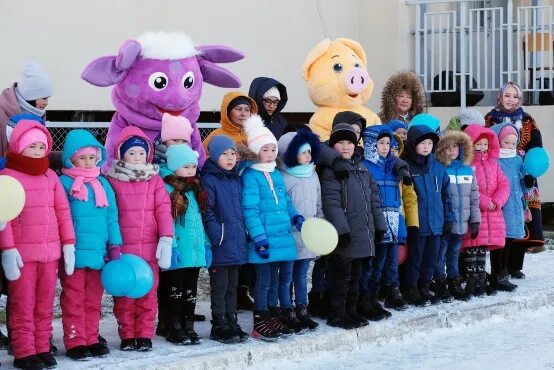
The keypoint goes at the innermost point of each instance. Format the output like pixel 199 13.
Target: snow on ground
pixel 500 342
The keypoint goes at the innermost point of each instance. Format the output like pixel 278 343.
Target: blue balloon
pixel 117 278
pixel 144 277
pixel 536 162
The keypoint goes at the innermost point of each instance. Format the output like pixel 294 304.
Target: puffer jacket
pixel 493 187
pixel 463 184
pixel 44 224
pixel 431 183
pixel 144 207
pixel 353 206
pixel 381 169
pixel 513 210
pixel 96 228
pixel 223 218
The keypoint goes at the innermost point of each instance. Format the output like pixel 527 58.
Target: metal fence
pixel 483 44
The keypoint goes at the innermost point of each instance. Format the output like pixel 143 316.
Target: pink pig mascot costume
pixel 160 73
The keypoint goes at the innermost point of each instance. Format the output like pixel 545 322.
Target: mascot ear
pixel 354 45
pixel 219 53
pixel 218 76
pixel 109 70
pixel 314 55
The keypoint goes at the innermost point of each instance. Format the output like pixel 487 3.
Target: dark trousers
pixel 177 292
pixel 223 284
pixel 343 276
pixel 247 276
pixel 422 260
pixel 318 274
pixel 499 259
pixel 516 256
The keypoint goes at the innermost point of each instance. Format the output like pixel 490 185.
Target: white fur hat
pixel 258 134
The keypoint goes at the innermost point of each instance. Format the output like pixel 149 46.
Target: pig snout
pixel 356 81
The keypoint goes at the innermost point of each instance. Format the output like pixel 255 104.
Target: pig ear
pixel 314 55
pixel 218 76
pixel 109 70
pixel 354 45
pixel 219 53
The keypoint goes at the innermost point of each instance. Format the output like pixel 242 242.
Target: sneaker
pixel 237 330
pixel 264 327
pixel 278 324
pixel 128 344
pixel 144 344
pixel 302 314
pixel 48 360
pixel 99 350
pixel 32 362
pixel 394 299
pixel 79 353
pixel 441 291
pixel 222 331
pixel 456 290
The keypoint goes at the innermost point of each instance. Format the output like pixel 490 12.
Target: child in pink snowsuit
pixel 94 211
pixel 31 245
pixel 494 190
pixel 146 227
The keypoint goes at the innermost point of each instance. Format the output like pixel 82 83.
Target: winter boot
pixel 233 323
pixel 102 340
pixel 366 309
pixel 302 314
pixel 441 291
pixel 502 283
pixel 48 359
pixel 289 319
pixel 517 274
pixel 351 310
pixel 263 327
pixel 32 362
pixel 456 290
pixel 4 341
pixel 377 306
pixel 338 318
pixel 175 333
pixel 188 328
pixel 394 299
pixel 222 331
pixel 244 301
pixel 79 353
pixel 144 344
pixel 278 323
pixel 128 344
pixel 425 293
pixel 99 350
pixel 199 317
pixel 317 304
pixel 411 295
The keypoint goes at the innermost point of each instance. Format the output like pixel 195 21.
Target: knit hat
pixel 352 118
pixel 258 134
pixel 507 130
pixel 426 119
pixel 395 124
pixel 88 150
pixel 468 116
pixel 238 101
pixel 175 127
pixel 180 155
pixel 272 93
pixel 34 135
pixel 34 83
pixel 131 142
pixel 218 145
pixel 342 131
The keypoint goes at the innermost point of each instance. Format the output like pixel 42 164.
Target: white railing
pixel 486 46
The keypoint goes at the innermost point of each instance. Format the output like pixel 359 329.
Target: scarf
pixel 27 165
pixel 507 153
pixel 515 117
pixel 302 170
pixel 133 172
pixel 81 177
pixel 28 108
pixel 264 167
pixel 179 202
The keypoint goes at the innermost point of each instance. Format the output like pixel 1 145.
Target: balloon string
pixel 322 20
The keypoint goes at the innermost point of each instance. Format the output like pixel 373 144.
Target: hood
pixel 226 123
pixel 349 117
pixel 459 138
pixel 395 124
pixel 21 128
pixel 400 143
pixel 498 128
pixel 404 80
pixel 214 169
pixel 77 139
pixel 128 132
pixel 8 102
pixel 370 135
pixel 418 131
pixel 475 131
pixel 290 143
pixel 258 88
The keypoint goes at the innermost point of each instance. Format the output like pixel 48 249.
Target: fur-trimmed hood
pixel 459 138
pixel 404 80
pixel 476 131
pixel 290 143
pixel 247 157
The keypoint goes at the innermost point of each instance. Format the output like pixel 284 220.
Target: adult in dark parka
pixel 271 97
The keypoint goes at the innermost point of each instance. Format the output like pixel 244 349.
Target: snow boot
pixel 32 362
pixel 175 333
pixel 441 291
pixel 233 323
pixel 244 301
pixel 425 293
pixel 351 310
pixel 518 274
pixel 263 327
pixel 366 309
pixel 394 299
pixel 188 328
pixel 144 344
pixel 456 290
pixel 79 353
pixel 338 318
pixel 278 323
pixel 222 331
pixel 502 283
pixel 128 344
pixel 317 304
pixel 289 319
pixel 99 350
pixel 48 359
pixel 302 314
pixel 377 306
pixel 411 295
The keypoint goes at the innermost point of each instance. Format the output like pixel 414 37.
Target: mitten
pixel 298 221
pixel 407 180
pixel 69 258
pixel 175 258
pixel 340 168
pixel 114 252
pixel 12 262
pixel 529 181
pixel 163 252
pixel 474 227
pixel 344 240
pixel 261 247
pixel 379 236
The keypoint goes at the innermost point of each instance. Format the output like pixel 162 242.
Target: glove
pixel 344 240
pixel 407 180
pixel 69 258
pixel 262 248
pixel 529 181
pixel 379 236
pixel 413 232
pixel 340 169
pixel 114 252
pixel 474 227
pixel 447 228
pixel 12 262
pixel 209 257
pixel 175 258
pixel 163 252
pixel 298 221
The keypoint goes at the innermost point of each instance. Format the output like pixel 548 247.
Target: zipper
pixel 460 209
pixel 47 217
pixel 487 190
pixel 222 233
pixel 365 204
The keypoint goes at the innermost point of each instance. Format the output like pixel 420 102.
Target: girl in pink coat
pixel 494 190
pixel 32 243
pixel 146 228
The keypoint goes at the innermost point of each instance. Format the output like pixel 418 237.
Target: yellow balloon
pixel 12 198
pixel 319 236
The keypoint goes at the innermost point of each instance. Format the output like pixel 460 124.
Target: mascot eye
pixel 188 80
pixel 357 65
pixel 337 67
pixel 158 81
